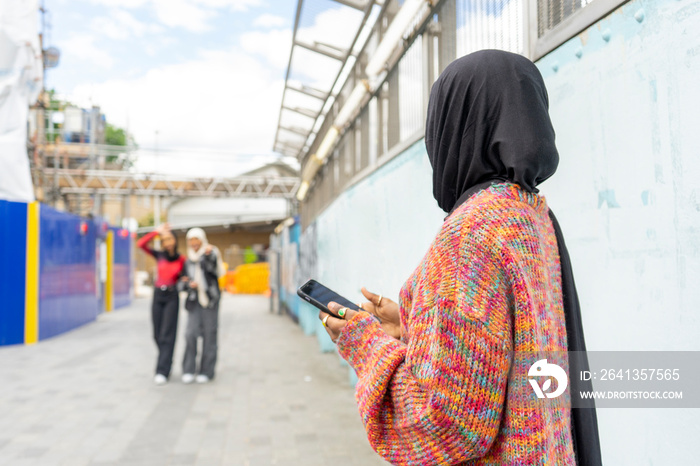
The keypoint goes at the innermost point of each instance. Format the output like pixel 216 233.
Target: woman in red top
pixel 166 301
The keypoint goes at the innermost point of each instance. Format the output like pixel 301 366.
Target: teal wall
pixel 628 198
pixel 625 101
pixel 375 234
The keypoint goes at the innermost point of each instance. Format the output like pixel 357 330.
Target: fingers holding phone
pixel 337 320
pixel 386 310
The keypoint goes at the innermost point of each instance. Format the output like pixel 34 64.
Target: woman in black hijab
pixel 497 279
pixel 488 121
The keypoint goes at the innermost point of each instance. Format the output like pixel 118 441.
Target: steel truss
pixel 111 183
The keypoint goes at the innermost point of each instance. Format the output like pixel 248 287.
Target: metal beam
pixel 290 145
pixel 297 17
pixel 358 5
pixel 330 52
pixel 295 130
pixel 310 91
pixel 112 182
pixel 290 151
pixel 368 7
pixel 301 111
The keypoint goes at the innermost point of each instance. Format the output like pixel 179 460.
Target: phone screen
pixel 318 295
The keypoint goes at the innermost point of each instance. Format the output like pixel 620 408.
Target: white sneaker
pixel 187 378
pixel 160 379
pixel 201 378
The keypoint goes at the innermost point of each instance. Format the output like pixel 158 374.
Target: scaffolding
pixel 122 183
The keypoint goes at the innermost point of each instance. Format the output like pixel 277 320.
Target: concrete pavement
pixel 88 398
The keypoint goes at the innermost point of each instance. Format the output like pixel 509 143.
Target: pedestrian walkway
pixel 87 397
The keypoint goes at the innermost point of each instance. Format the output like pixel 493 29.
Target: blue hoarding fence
pixel 53 271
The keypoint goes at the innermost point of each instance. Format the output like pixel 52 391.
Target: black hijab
pixel 488 121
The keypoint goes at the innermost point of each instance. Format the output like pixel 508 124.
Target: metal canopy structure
pixel 121 183
pixel 328 35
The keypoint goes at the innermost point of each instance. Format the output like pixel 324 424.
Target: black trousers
pixel 166 305
pixel 201 323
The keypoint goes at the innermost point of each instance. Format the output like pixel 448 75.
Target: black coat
pixel 209 265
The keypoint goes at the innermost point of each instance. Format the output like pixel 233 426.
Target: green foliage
pixel 249 255
pixel 147 221
pixel 115 136
pixel 54 103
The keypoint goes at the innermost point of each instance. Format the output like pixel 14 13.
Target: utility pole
pixel 156 198
pixel 40 158
pixel 156 217
pixel 157 168
pixel 98 207
pixel 126 211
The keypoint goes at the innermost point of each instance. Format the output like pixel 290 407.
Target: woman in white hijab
pixel 202 271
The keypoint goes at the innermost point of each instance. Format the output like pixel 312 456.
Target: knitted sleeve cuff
pixel 361 335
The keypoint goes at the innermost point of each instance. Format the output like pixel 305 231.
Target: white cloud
pixel 500 30
pixel 120 25
pixel 224 100
pixel 273 46
pixel 235 5
pixel 83 48
pixel 157 43
pixel 183 13
pixel 335 27
pixel 121 3
pixel 269 21
pixel 193 15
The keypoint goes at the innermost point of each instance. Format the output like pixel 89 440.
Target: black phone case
pixel 322 306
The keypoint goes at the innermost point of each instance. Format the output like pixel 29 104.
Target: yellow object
pixel 249 279
pixel 109 282
pixel 31 297
pixel 222 279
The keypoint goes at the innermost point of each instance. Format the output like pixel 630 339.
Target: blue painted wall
pixel 122 267
pixel 374 234
pixel 67 273
pixel 68 294
pixel 628 198
pixel 627 191
pixel 625 101
pixel 289 273
pixel 13 250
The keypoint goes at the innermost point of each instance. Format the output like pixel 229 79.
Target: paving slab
pixel 87 397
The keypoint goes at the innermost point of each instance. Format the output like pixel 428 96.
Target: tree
pixel 115 136
pixel 147 221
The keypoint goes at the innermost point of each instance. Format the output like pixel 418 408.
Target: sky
pixel 200 79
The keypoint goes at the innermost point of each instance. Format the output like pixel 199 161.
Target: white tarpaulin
pixel 20 84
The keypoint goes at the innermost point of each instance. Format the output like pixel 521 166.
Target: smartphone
pixel 319 295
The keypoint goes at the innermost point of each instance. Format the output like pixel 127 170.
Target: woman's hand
pixel 162 228
pixel 208 249
pixel 335 324
pixel 193 285
pixel 386 310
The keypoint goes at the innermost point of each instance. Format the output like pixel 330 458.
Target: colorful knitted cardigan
pixel 490 284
